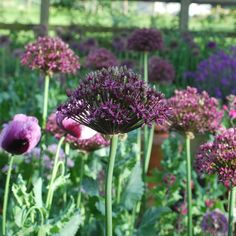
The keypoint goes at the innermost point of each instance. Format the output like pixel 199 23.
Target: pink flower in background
pixel 20 135
pixel 50 55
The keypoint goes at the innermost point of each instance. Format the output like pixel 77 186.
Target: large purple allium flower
pixel 218 70
pixel 145 40
pixel 214 222
pixel 20 135
pixel 50 55
pixel 4 41
pixel 194 111
pixel 78 136
pixel 219 157
pixel 160 70
pixel 115 100
pixel 100 58
pixel 130 64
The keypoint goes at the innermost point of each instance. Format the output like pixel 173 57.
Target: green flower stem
pixel 3 62
pixel 45 100
pixel 81 178
pixel 231 211
pixel 118 193
pixel 6 194
pixel 67 153
pixel 54 174
pixel 145 64
pixel 189 190
pixel 149 149
pixel 108 199
pixel 139 138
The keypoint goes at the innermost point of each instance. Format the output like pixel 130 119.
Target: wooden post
pixel 44 16
pixel 184 15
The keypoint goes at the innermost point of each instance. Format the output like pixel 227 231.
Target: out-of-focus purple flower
pixel 4 41
pixel 100 58
pixel 169 179
pixel 130 64
pixel 88 45
pixel 218 70
pixel 214 222
pixel 115 100
pixel 211 45
pixel 173 44
pixel 50 55
pixel 181 207
pixel 119 44
pixel 17 53
pixel 219 157
pixel 79 136
pixel 194 111
pixel 145 40
pixel 160 71
pixel 20 135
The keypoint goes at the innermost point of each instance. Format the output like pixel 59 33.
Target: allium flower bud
pixel 100 58
pixel 160 71
pixel 50 55
pixel 194 112
pixel 145 40
pixel 115 100
pixel 214 222
pixel 219 157
pixel 20 135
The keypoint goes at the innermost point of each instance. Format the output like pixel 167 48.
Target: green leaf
pixel 134 188
pixel 38 192
pixel 150 217
pixel 72 226
pixel 90 186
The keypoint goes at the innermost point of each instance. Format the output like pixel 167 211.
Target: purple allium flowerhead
pixel 130 64
pixel 214 222
pixel 211 45
pixel 145 40
pixel 20 135
pixel 219 157
pixel 194 111
pixel 100 58
pixel 119 43
pixel 4 41
pixel 88 45
pixel 50 55
pixel 115 100
pixel 78 136
pixel 218 70
pixel 160 70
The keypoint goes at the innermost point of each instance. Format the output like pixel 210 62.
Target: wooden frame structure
pixel 183 16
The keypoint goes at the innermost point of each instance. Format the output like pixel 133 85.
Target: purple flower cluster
pixel 160 71
pixel 20 135
pixel 194 112
pixel 218 70
pixel 79 137
pixel 87 45
pixel 219 157
pixel 50 55
pixel 214 222
pixel 4 41
pixel 119 44
pixel 211 45
pixel 145 40
pixel 100 58
pixel 130 64
pixel 115 100
pixel 230 108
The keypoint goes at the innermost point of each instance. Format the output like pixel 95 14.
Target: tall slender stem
pixel 3 62
pixel 6 193
pixel 54 173
pixel 118 193
pixel 139 138
pixel 189 190
pixel 108 199
pixel 45 100
pixel 83 158
pixel 149 149
pixel 231 211
pixel 67 153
